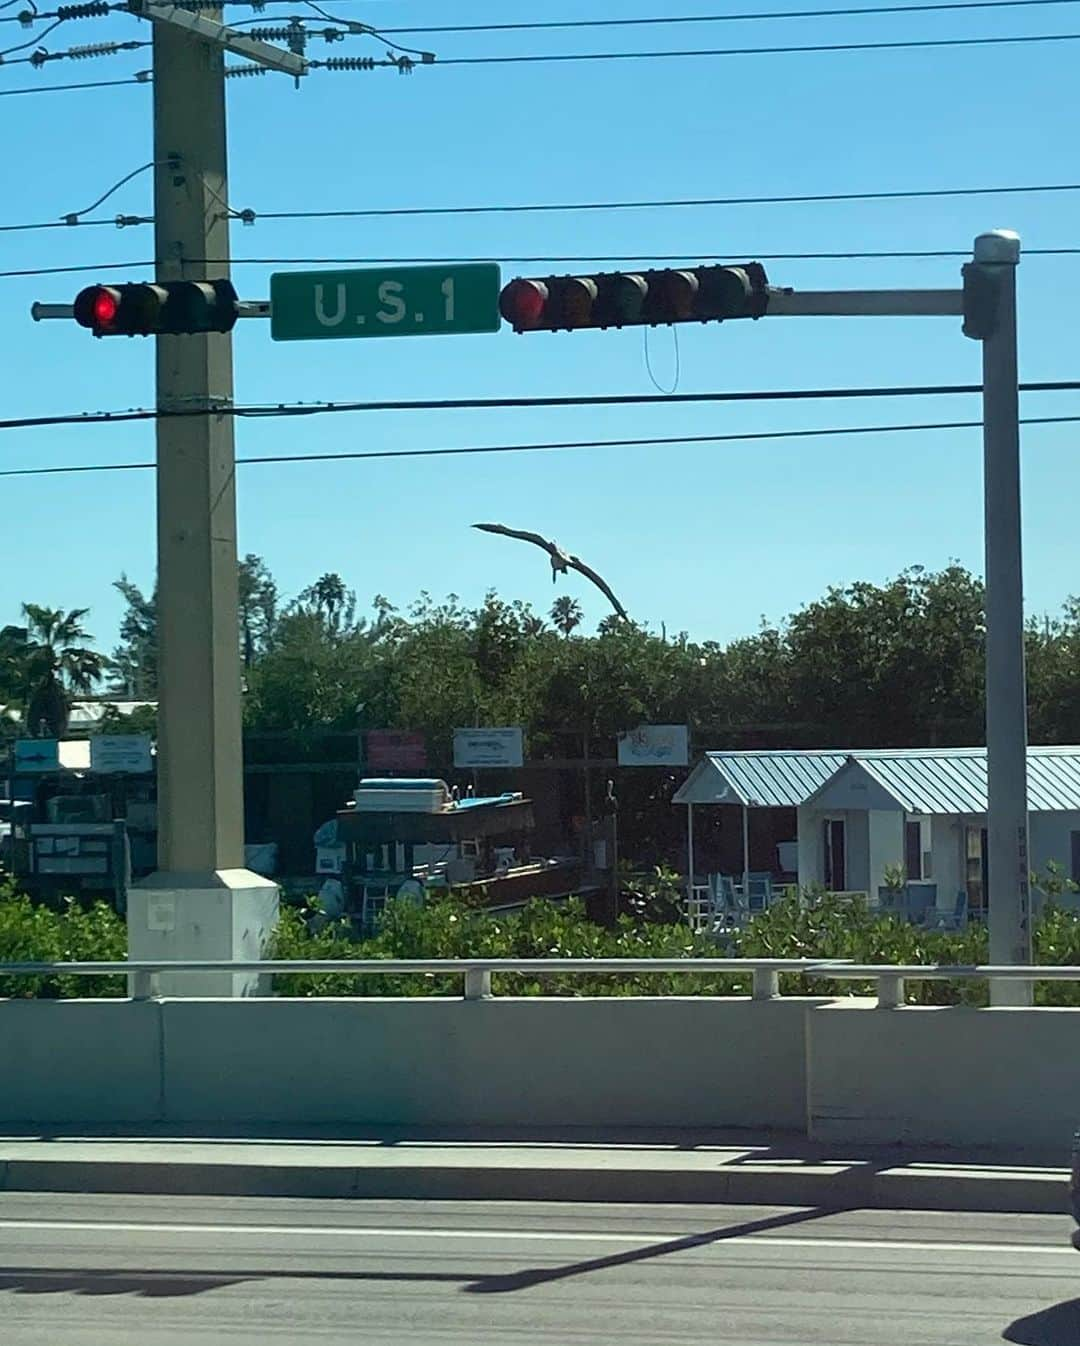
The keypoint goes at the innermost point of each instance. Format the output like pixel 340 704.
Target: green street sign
pixel 377 302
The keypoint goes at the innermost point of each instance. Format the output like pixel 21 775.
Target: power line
pixel 67 270
pixel 536 58
pixel 74 217
pixel 393 212
pixel 36 37
pixel 808 49
pixel 629 258
pixel 100 10
pixel 918 194
pixel 63 224
pixel 66 88
pixel 289 410
pixel 847 12
pixel 548 447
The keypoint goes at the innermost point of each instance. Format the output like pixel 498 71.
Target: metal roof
pixel 760 779
pixel 921 780
pixel 953 780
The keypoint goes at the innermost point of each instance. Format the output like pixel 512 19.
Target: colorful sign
pixel 655 745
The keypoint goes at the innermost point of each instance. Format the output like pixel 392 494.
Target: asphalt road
pixel 131 1271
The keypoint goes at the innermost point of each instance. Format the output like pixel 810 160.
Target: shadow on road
pixel 523 1280
pixel 1057 1326
pixel 149 1284
pixel 174 1283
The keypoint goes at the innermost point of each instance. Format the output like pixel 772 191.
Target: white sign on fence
pixel 121 752
pixel 655 745
pixel 489 747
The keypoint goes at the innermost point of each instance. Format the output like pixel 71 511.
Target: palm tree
pixel 566 614
pixel 12 660
pixel 12 678
pixel 330 601
pixel 58 663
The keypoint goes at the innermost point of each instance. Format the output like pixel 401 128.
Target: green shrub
pixel 30 933
pixel 811 924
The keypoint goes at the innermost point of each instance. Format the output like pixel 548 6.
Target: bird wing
pixel 534 538
pixel 579 565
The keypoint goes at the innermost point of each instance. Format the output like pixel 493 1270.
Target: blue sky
pixel 703 538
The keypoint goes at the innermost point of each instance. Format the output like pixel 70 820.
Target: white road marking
pixel 643 1240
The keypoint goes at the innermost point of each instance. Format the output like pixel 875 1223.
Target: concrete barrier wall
pixel 674 1062
pixel 954 1076
pixel 843 1070
pixel 73 1061
pixel 668 1063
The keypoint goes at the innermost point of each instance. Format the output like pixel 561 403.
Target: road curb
pixel 855 1186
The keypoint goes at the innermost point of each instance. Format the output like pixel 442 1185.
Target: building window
pixel 1074 838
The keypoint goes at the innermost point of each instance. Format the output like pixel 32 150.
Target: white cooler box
pixel 402 796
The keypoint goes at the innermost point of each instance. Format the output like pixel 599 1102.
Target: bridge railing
pixel 476 973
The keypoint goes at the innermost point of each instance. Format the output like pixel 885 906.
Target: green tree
pixel 258 595
pixel 135 659
pixel 1053 669
pixel 59 664
pixel 331 601
pixel 13 653
pixel 892 665
pixel 566 614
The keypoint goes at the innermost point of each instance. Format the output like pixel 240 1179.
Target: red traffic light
pixel 105 306
pixel 522 303
pixel 97 307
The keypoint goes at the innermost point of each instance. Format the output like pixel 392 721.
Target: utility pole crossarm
pixel 220 35
pixel 865 303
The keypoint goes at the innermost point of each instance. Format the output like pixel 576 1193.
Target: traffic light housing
pixel 635 299
pixel 982 300
pixel 176 307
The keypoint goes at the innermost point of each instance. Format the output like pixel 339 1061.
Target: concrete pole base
pixel 224 914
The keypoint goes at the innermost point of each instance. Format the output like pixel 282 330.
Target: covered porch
pixel 741 825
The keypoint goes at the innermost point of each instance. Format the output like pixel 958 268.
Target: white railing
pixel 476 972
pixel 890 979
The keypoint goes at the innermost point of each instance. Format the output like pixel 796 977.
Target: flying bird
pixel 561 561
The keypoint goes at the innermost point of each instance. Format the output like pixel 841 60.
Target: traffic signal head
pixel 172 308
pixel 982 299
pixel 634 299
pixel 97 308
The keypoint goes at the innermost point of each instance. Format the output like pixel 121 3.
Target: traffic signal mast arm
pixel 554 303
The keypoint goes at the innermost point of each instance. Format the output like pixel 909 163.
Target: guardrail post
pixel 890 991
pixel 477 984
pixel 141 985
pixel 766 983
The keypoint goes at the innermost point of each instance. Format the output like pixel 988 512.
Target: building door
pixel 835 856
pixel 976 868
pixel 913 849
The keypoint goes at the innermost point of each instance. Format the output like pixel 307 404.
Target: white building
pixel 859 812
pixel 925 810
